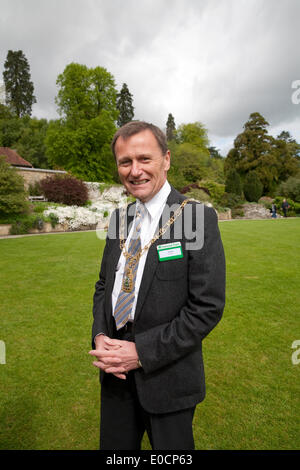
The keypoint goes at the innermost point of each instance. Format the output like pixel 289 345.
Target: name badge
pixel 169 251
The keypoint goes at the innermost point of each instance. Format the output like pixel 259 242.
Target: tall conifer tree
pixel 171 127
pixel 124 105
pixel 19 88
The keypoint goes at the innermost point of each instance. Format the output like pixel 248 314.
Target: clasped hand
pixel 115 356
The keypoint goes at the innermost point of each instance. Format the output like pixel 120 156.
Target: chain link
pixel 134 259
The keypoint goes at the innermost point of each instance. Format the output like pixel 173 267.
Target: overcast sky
pixel 213 61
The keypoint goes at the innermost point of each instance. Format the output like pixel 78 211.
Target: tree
pixel 288 155
pixel 19 88
pixel 83 151
pixel 233 183
pixel 26 135
pixel 10 130
pixel 171 127
pixel 124 105
pixel 290 188
pixel 190 160
pixel 253 187
pixel 13 198
pixel 84 93
pixel 31 143
pixel 80 141
pixel 215 153
pixel 195 134
pixel 254 149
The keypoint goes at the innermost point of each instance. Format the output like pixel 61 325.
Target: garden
pixel 60 202
pixel 49 390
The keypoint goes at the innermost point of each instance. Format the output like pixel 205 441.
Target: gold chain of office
pixel 127 284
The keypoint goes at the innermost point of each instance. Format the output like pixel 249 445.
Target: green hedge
pixel 24 224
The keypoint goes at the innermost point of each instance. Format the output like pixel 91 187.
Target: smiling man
pixel 142 163
pixel 154 302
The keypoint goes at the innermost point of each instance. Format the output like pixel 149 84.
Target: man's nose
pixel 136 169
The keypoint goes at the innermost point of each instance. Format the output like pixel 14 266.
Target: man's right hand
pixel 104 363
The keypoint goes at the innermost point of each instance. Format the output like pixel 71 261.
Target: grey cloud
pixel 215 61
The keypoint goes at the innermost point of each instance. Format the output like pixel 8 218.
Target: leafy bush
pixel 237 212
pixel 13 197
pixel 25 223
pixel 233 183
pixel 290 188
pixel 253 187
pixel 39 207
pixel 231 200
pixel 198 194
pixel 53 218
pixel 35 189
pixel 65 189
pixel 20 227
pixel 266 201
pixel 216 190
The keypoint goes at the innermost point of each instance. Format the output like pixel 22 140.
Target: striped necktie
pixel 125 299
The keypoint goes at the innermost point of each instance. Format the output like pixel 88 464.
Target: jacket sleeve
pixel 171 341
pixel 99 323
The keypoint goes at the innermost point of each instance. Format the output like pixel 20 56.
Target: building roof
pixel 13 158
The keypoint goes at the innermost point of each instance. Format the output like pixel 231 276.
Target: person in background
pixel 285 206
pixel 273 210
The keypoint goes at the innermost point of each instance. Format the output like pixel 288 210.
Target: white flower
pixel 76 216
pixel 98 212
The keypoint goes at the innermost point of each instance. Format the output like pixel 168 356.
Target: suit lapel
pixel 152 257
pixel 114 256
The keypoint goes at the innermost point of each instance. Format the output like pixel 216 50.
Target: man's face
pixel 141 165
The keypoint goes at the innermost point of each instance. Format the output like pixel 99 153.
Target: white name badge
pixel 169 251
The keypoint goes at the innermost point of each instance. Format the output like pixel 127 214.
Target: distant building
pixel 13 158
pixel 25 169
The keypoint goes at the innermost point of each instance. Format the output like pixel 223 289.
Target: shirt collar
pixel 158 201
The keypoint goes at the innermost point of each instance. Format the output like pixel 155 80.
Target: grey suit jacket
pixel 179 302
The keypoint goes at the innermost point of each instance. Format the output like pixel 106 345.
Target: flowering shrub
pixel 75 216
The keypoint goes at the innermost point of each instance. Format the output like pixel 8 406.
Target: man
pixel 285 206
pixel 158 295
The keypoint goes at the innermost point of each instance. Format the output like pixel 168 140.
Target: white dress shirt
pixel 150 222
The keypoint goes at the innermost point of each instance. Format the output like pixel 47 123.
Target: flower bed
pixel 76 217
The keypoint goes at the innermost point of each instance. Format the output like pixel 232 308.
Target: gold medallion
pixel 127 284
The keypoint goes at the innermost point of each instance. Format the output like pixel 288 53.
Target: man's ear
pixel 167 160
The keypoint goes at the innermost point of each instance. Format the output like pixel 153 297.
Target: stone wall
pixel 33 175
pixel 224 215
pixel 255 211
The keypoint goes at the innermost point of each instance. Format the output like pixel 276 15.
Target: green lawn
pixel 49 391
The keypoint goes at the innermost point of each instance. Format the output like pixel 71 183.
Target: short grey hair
pixel 134 127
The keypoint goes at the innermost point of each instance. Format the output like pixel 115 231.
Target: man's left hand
pixel 120 357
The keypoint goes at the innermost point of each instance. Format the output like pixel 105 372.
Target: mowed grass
pixel 49 390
